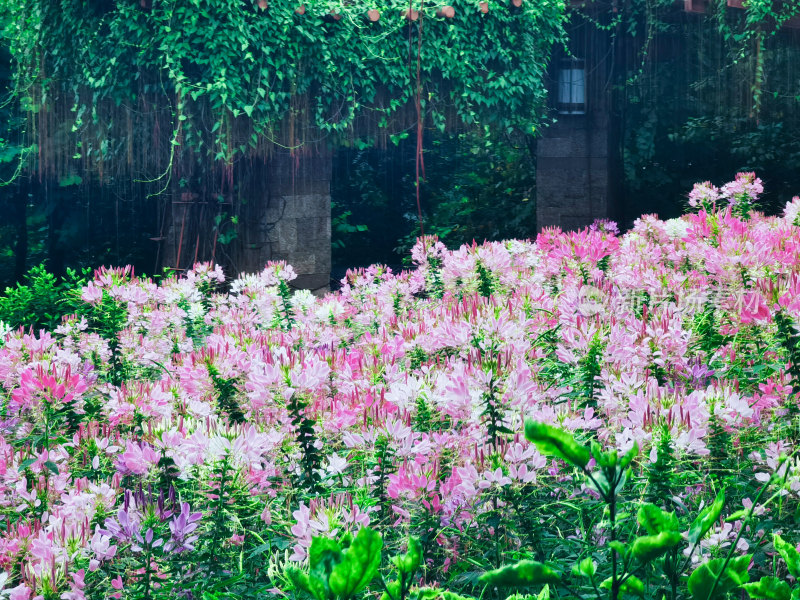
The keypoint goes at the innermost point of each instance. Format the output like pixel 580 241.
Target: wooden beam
pixel 694 6
pixel 700 7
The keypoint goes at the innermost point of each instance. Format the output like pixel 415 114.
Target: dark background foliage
pixel 696 97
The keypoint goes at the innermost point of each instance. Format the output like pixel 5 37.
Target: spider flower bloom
pixel 703 194
pixel 745 187
pixel 137 459
pixel 55 385
pixel 427 248
pixel 182 528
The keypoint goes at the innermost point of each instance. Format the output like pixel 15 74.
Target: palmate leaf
pixel 649 547
pixel 706 519
pixel 359 566
pixel 632 585
pixel 701 581
pixel 553 441
pixel 522 574
pixel 656 520
pixel 789 554
pixel 769 588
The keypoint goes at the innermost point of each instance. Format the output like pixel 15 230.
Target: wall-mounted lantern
pixel 572 87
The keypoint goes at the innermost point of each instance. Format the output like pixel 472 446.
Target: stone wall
pixel 572 172
pixel 291 219
pixel 577 162
pixel 282 208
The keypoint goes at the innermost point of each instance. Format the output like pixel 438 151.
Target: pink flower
pixel 21 592
pixel 703 194
pixel 137 459
pixel 746 186
pixel 101 545
pixel 495 477
pixel 753 308
pixel 91 294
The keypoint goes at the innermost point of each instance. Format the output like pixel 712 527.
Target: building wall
pixel 576 156
pixel 290 219
pixel 283 209
pixel 572 172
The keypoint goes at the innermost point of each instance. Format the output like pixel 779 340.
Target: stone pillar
pixel 277 209
pixel 287 216
pixel 577 155
pixel 297 221
pixel 572 172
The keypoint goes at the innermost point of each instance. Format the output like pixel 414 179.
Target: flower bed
pixel 170 440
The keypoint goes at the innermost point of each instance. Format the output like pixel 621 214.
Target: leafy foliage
pixel 324 69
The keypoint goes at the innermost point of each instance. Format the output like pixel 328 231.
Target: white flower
pixel 196 311
pixel 336 465
pixel 4 331
pixel 676 228
pixel 303 300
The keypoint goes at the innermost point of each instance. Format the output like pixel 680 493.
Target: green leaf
pixel 360 564
pixel 649 547
pixel 439 594
pixel 545 593
pixel 629 456
pixel 412 559
pixel 324 551
pixel 604 460
pixel 739 514
pixel 632 585
pixel 51 466
pixel 553 441
pixel 308 583
pixel 25 464
pixel 392 590
pixel 701 581
pixel 621 548
pixel 789 554
pixel 656 520
pixel 586 568
pixel 706 519
pixel 323 557
pixel 524 573
pixel 770 588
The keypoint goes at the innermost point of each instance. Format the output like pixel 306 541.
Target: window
pixel 571 87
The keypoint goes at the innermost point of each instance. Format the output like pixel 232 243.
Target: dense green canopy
pixel 229 77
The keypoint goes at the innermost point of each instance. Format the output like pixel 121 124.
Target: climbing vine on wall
pixel 221 79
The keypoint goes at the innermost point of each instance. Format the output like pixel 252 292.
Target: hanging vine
pixel 142 88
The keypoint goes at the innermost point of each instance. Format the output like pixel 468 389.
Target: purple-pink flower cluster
pixel 394 378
